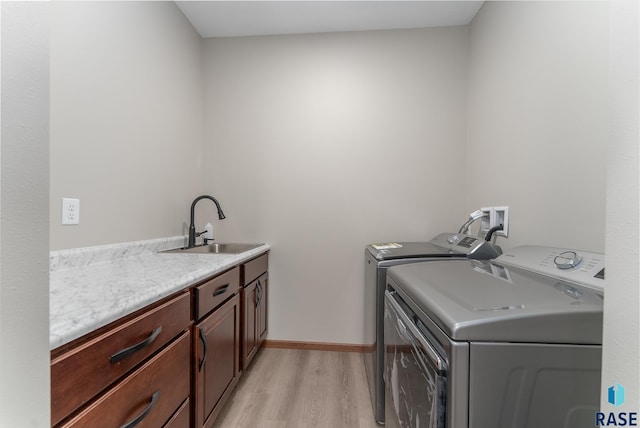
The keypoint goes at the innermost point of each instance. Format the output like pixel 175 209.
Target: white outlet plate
pixel 501 217
pixel 497 216
pixel 485 222
pixel 70 211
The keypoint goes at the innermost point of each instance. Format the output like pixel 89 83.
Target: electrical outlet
pixel 70 211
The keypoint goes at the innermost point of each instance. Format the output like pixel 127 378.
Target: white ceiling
pixel 253 18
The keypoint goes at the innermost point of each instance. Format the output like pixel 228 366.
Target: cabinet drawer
pixel 212 293
pixel 254 268
pixel 181 418
pixel 82 372
pixel 147 397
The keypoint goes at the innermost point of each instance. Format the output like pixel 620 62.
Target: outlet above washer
pixel 495 216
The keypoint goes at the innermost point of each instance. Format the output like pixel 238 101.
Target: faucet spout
pixel 192 226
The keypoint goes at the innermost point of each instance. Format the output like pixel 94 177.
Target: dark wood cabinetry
pixel 216 344
pixel 262 308
pixel 254 296
pixel 216 360
pixel 148 397
pixel 211 293
pixel 254 304
pixel 181 418
pixel 89 372
pixel 173 364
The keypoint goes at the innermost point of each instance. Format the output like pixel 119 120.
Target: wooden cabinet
pixel 254 299
pixel 155 367
pixel 216 344
pixel 148 397
pixel 211 293
pixel 79 373
pixel 253 268
pixel 254 304
pixel 181 418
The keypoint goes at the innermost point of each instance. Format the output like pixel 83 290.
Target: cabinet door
pixel 254 304
pixel 216 360
pixel 250 330
pixel 261 316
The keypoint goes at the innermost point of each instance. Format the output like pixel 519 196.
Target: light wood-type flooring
pixel 286 388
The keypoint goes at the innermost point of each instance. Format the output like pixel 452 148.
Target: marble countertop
pixel 91 287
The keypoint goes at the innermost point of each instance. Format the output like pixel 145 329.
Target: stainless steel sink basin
pixel 217 248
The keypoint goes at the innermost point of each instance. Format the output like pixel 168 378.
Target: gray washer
pixel 378 258
pixel 522 349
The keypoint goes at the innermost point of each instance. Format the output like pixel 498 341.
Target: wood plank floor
pixel 286 388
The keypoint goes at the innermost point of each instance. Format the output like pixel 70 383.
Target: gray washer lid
pixel 486 301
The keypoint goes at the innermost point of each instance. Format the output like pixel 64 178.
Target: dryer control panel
pixel 582 267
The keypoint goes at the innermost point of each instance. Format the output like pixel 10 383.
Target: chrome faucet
pixel 192 226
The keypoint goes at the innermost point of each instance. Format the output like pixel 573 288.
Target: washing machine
pixel 510 343
pixel 378 258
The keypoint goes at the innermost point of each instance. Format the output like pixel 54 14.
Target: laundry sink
pixel 217 248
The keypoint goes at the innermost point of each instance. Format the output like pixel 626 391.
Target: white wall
pixel 538 121
pixel 541 115
pixel 24 207
pixel 320 144
pixel 621 353
pixel 126 120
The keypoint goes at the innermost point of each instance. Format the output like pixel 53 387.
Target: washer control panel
pixel 582 267
pixel 567 260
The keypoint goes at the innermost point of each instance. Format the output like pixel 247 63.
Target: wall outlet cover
pixel 495 216
pixel 70 211
pixel 485 222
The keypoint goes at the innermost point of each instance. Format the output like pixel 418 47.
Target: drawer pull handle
pixel 135 421
pixel 204 347
pixel 135 348
pixel 221 290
